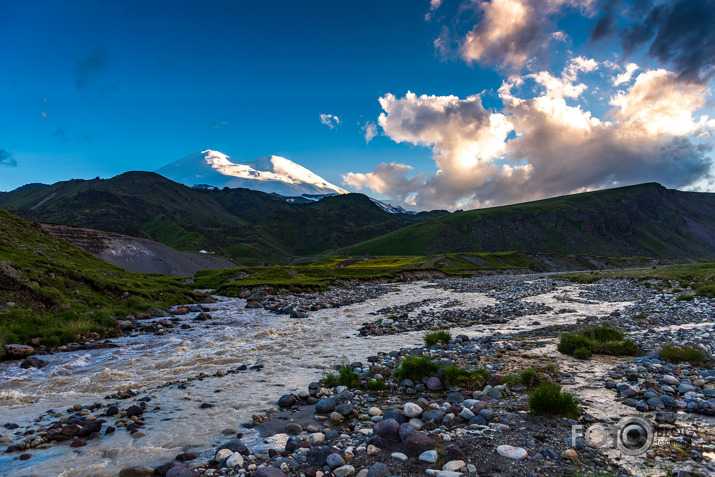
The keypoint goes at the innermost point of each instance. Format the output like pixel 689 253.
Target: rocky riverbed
pixel 230 390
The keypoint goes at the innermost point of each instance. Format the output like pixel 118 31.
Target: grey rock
pixel 268 472
pixel 334 461
pixel 416 443
pixel 326 405
pixel 378 470
pixel 387 429
pixel 287 400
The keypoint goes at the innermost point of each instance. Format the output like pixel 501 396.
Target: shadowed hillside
pixel 238 222
pixel 642 220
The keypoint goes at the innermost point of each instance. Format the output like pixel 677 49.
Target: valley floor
pixel 199 388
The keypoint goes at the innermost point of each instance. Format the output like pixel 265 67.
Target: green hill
pixel 50 289
pixel 642 220
pixel 242 223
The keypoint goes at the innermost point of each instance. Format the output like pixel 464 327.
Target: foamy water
pixel 294 353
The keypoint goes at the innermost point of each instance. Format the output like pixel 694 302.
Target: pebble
pixel 511 452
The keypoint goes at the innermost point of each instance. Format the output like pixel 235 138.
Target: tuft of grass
pixel 676 354
pixel 441 336
pixel 685 298
pixel 416 368
pixel 552 367
pixel 346 377
pixel 549 399
pixel 376 385
pixel 626 347
pixel 603 333
pixel 459 377
pixel 531 377
pixel 570 342
pixel 603 339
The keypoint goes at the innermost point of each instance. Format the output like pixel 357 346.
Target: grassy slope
pixel 239 222
pixel 327 271
pixel 64 291
pixel 645 220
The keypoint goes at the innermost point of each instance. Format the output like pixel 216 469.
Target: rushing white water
pixel 294 352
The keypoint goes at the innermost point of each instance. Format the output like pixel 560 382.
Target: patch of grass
pixel 441 336
pixel 603 333
pixel 626 347
pixel 552 368
pixel 685 298
pixel 532 377
pixel 602 339
pixel 676 354
pixel 376 385
pixel 570 342
pixel 415 368
pixel 471 380
pixel 549 399
pixel 346 377
pixel 63 292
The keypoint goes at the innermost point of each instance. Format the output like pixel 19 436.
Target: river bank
pixel 216 375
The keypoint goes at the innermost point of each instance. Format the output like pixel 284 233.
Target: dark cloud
pixel 90 66
pixel 680 33
pixel 6 159
pixel 604 25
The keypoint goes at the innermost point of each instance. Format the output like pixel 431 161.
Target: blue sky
pixel 99 88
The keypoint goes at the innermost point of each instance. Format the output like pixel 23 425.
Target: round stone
pixel 412 410
pixel 511 452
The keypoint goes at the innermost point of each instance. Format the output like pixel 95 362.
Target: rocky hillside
pixel 135 254
pixel 642 220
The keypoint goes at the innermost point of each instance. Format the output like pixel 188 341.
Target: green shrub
pixel 618 348
pixel 675 354
pixel 582 353
pixel 416 368
pixel 348 377
pixel 603 333
pixel 531 377
pixel 441 336
pixel 459 377
pixel 570 342
pixel 552 367
pixel 685 298
pixel 550 400
pixel 376 385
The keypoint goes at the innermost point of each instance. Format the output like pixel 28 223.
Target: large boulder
pixel 417 443
pixel 18 351
pixel 387 429
pixel 9 277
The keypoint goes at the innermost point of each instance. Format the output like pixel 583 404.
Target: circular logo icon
pixel 635 435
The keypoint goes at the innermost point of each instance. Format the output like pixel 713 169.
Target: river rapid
pixel 293 352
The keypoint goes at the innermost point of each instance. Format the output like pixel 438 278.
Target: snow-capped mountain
pixel 272 174
pixel 391 209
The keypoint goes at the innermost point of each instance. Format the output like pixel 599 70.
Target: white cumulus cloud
pixel 539 145
pixel 370 129
pixel 330 120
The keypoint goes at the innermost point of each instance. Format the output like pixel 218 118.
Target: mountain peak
pixel 266 173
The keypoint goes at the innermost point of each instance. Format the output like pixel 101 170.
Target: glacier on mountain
pixel 271 174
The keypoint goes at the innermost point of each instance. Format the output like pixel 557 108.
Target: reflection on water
pixel 294 352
